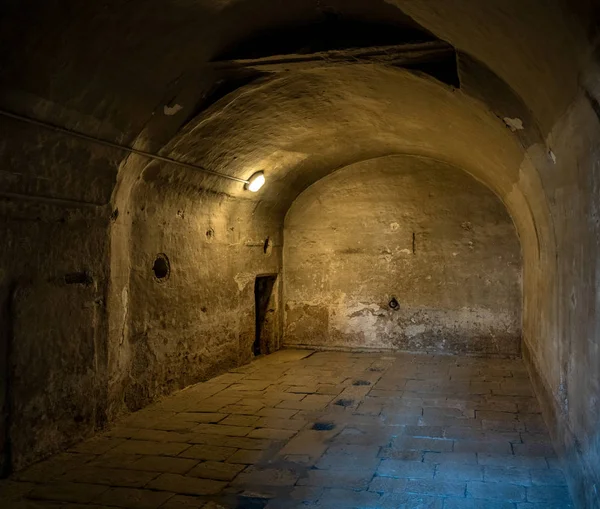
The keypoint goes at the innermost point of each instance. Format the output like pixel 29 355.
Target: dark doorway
pixel 264 305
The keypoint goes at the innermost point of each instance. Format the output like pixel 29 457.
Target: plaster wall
pixel 200 320
pixel 562 345
pixel 405 228
pixel 54 220
pixel 56 366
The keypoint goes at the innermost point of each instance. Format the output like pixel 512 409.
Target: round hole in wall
pixel 394 303
pixel 161 267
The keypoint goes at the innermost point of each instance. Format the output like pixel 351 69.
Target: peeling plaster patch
pixel 414 330
pixel 242 279
pixel 172 110
pixel 359 319
pixel 552 156
pixel 394 226
pixel 370 325
pixel 125 301
pixel 361 309
pixel 405 251
pixel 514 124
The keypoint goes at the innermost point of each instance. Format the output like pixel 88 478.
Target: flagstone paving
pixel 301 429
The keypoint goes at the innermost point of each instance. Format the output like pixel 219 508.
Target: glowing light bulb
pixel 256 181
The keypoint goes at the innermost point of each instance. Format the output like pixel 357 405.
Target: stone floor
pixel 322 430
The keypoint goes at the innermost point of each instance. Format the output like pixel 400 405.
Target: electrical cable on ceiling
pixel 110 144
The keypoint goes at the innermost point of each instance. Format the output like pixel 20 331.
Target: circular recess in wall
pixel 394 303
pixel 161 267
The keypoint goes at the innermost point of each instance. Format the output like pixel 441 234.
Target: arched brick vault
pixel 533 61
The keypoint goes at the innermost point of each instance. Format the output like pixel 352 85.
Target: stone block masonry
pixel 423 433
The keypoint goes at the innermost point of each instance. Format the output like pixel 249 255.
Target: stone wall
pixel 200 319
pixel 66 368
pixel 79 72
pixel 409 229
pixel 54 219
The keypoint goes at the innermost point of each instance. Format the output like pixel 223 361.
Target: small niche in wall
pixel 79 278
pixel 267 246
pixel 161 267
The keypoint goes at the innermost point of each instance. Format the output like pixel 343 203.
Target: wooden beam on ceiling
pixel 397 55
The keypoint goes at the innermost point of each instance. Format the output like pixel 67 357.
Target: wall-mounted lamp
pixel 256 181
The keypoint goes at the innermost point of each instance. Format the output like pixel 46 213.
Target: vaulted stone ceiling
pixel 134 73
pixel 503 89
